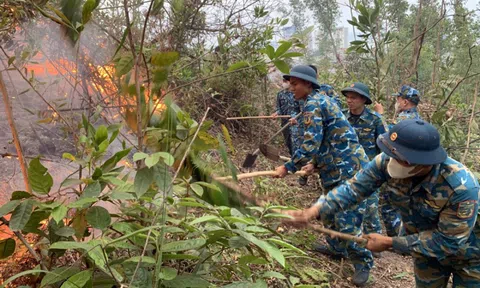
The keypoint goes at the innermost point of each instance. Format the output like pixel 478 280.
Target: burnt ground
pixel 390 271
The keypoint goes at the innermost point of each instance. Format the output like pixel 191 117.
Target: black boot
pixel 323 249
pixel 360 277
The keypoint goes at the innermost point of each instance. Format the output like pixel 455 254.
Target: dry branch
pixel 470 123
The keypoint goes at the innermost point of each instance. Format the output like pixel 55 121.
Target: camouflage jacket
pixel 329 141
pixel 439 211
pixel 286 104
pixel 328 90
pixel 411 113
pixel 368 126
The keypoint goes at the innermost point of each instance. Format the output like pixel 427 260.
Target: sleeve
pixel 361 186
pixel 296 108
pixel 312 137
pixel 380 128
pixel 454 227
pixel 279 96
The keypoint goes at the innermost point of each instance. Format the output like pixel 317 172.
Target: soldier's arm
pixel 454 227
pixel 361 186
pixel 312 137
pixel 380 128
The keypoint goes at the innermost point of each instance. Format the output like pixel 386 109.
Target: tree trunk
pixel 437 46
pixel 418 42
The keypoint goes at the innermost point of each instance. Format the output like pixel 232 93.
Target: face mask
pixel 397 107
pixel 397 171
pixel 285 85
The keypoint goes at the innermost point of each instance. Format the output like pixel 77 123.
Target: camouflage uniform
pixel 297 131
pixel 368 127
pixel 439 213
pixel 331 143
pixel 286 106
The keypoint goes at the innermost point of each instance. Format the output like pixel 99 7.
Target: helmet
pixel 414 141
pixel 409 93
pixel 303 72
pixel 359 88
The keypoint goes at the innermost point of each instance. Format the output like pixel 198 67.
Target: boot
pixel 360 277
pixel 323 249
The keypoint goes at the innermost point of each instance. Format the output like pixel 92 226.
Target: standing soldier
pixel 286 106
pixel 330 143
pixel 438 199
pixel 406 105
pixel 369 125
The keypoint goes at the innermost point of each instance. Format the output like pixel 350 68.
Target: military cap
pixel 414 141
pixel 409 93
pixel 303 72
pixel 359 88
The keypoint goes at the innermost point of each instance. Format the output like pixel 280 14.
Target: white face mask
pixel 397 107
pixel 285 85
pixel 397 171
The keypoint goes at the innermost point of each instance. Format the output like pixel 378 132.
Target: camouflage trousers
pixel 371 218
pixel 431 273
pixel 391 216
pixel 350 222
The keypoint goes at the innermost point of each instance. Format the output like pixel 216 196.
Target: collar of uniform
pixel 363 116
pixel 410 110
pixel 430 179
pixel 311 95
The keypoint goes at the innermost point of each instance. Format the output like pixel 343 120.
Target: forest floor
pixel 391 270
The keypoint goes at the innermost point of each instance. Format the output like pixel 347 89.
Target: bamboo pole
pixel 257 174
pixel 16 141
pixel 335 234
pixel 259 117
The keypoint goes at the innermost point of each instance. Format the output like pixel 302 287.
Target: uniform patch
pixel 466 209
pixel 307 118
pixel 353 85
pixel 394 136
pixel 367 129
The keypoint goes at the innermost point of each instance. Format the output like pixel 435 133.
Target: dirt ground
pixel 390 271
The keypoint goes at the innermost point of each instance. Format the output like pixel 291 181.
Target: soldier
pixel 406 105
pixel 369 125
pixel 286 106
pixel 436 195
pixel 330 143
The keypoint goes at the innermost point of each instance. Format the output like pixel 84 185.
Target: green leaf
pixel 145 259
pixel 282 66
pixel 39 178
pixel 71 182
pixel 206 218
pixel 139 156
pixel 68 156
pixel 269 249
pixel 19 195
pixel 58 275
pixel 88 8
pixel 66 245
pixel 186 280
pixel 357 42
pixel 164 58
pixel 167 158
pixel 152 160
pixel 183 245
pixel 80 203
pixel 123 65
pixel 92 190
pixel 8 207
pixel 282 49
pixel 208 185
pixel 284 22
pixel 65 231
pixel 78 280
pixel 167 273
pixel 270 52
pixel 101 134
pixel 97 174
pixel 401 275
pixel 122 41
pixel 197 189
pixel 10 60
pixel 273 274
pixel 143 180
pixel 258 284
pixel 59 213
pixel 286 245
pixel 238 65
pixel 7 247
pixel 98 217
pixel 21 215
pixel 292 55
